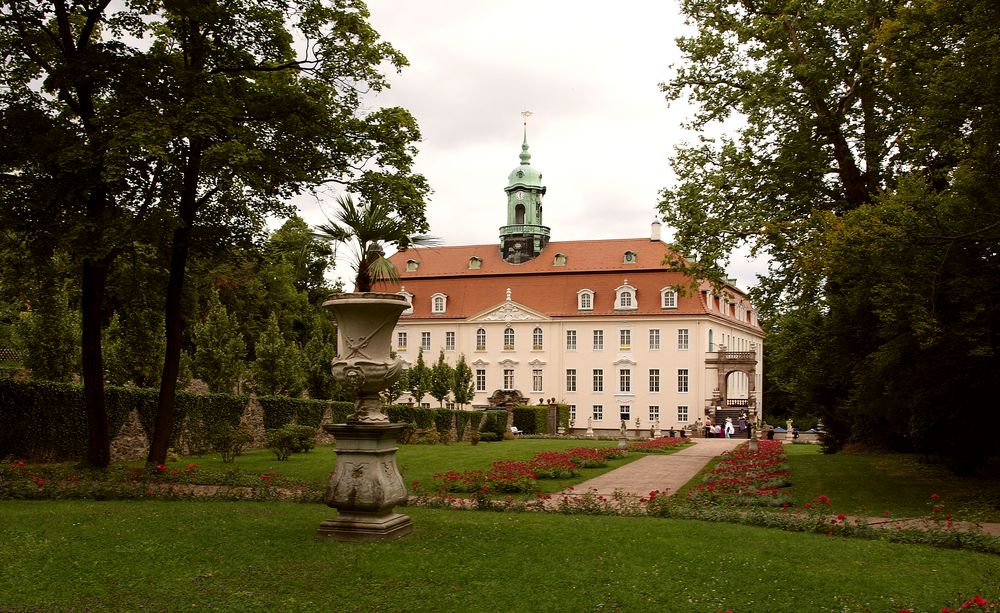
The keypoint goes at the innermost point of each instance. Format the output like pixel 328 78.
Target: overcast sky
pixel 601 131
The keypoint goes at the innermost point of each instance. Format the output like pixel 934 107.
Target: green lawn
pixel 162 555
pixel 415 462
pixel 871 483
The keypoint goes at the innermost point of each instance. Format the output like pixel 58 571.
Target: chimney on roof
pixel 654 234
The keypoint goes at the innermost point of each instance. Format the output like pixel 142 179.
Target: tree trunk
pixel 95 274
pixel 174 323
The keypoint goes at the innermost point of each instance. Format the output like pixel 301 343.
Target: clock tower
pixel 524 236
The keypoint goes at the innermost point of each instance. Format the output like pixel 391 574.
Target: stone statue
pixel 623 428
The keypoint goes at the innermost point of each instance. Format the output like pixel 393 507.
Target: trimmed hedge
pixel 48 420
pixel 494 421
pixel 532 419
pixel 281 410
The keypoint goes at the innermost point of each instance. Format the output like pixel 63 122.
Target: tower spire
pixel 525 156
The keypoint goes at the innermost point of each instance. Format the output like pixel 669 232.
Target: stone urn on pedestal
pixel 366 485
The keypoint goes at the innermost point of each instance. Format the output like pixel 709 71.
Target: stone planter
pixel 366 484
pixel 364 340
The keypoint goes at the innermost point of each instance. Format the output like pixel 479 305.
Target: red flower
pixel 841 517
pixel 19 464
pixel 937 509
pixel 823 499
pixel 160 468
pixel 979 601
pixel 935 496
pixel 265 477
pixel 485 489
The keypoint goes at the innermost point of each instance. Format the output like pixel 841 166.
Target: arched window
pixel 508 339
pixel 629 257
pixel 480 340
pixel 409 300
pixel 475 263
pixel 519 214
pixel 625 297
pixel 559 260
pixel 412 265
pixel 585 300
pixel 536 339
pixel 439 303
pixel 668 298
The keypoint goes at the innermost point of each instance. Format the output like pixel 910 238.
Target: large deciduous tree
pixel 191 120
pixel 245 120
pixel 863 170
pixel 64 73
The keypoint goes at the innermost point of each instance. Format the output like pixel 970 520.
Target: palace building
pixel 600 325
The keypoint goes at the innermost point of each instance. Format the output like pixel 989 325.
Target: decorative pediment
pixel 508 362
pixel 481 362
pixel 509 311
pixel 536 362
pixel 625 360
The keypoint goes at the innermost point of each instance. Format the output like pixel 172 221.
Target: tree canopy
pixel 869 138
pixel 184 124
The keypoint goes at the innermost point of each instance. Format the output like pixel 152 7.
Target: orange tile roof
pixel 597 265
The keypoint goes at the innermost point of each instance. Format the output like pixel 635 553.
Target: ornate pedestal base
pixel 366 484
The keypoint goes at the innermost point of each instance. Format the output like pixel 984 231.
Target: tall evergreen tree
pixel 219 348
pixel 419 378
pixel 442 379
pixel 463 389
pixel 277 370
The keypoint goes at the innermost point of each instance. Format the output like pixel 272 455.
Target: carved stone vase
pixel 366 485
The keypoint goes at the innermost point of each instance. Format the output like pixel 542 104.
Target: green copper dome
pixel 524 175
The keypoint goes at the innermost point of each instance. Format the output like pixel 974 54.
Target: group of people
pixel 726 429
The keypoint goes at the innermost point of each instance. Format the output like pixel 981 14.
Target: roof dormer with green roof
pixel 524 236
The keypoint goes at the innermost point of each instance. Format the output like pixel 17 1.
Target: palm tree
pixel 367 229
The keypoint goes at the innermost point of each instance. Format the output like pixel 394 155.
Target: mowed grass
pixel 871 483
pixel 247 556
pixel 415 462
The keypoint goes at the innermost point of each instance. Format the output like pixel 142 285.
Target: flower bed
pixel 658 445
pixel 515 476
pixel 747 478
pixel 19 480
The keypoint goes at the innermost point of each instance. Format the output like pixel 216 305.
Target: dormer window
pixel 439 303
pixel 412 265
pixel 559 260
pixel 475 263
pixel 625 298
pixel 409 300
pixel 668 298
pixel 585 300
pixel 630 257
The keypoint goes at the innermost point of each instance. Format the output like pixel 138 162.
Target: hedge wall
pixel 532 419
pixel 494 421
pixel 48 420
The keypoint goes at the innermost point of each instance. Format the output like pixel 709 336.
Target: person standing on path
pixel 729 427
